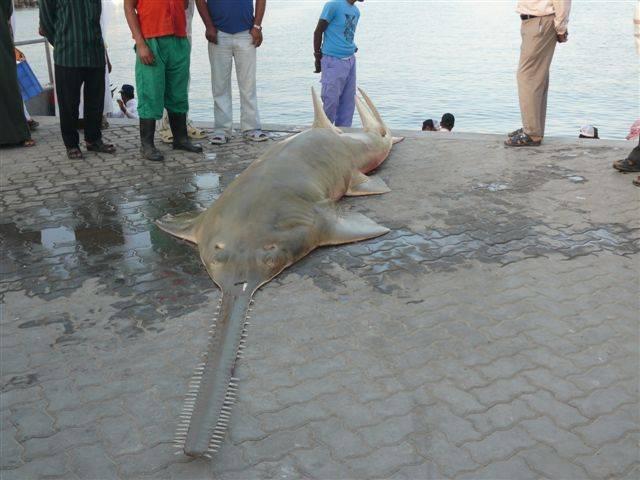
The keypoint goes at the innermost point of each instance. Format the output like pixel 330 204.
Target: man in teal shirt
pixel 334 50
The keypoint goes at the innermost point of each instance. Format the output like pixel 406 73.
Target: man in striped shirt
pixel 73 28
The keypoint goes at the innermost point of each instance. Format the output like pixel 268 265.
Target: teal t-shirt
pixel 338 37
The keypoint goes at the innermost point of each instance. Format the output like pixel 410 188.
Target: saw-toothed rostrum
pixel 283 206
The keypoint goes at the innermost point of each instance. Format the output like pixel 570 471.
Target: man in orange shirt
pixel 159 28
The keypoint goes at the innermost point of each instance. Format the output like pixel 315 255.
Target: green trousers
pixel 165 83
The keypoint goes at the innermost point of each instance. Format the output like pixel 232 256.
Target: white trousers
pixel 238 48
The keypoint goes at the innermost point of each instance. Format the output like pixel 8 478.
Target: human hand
pixel 211 35
pixel 145 54
pixel 563 37
pixel 257 37
pixel 318 63
pixel 19 55
pixel 121 105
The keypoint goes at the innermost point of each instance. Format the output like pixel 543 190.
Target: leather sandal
pixel 74 153
pixel 101 147
pixel 522 140
pixel 626 165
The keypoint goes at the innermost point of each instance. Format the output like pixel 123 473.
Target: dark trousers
pixel 68 83
pixel 634 156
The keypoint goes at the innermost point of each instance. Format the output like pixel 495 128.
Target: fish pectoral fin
pixel 364 185
pixel 350 227
pixel 182 225
pixel 395 140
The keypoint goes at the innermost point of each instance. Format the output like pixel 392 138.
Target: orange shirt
pixel 159 18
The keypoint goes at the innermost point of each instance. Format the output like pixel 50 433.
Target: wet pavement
pixel 493 333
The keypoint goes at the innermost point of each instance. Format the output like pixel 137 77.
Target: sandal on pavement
pixel 256 136
pixel 522 140
pixel 636 182
pixel 195 132
pixel 101 147
pixel 219 139
pixel 626 165
pixel 32 124
pixel 74 153
pixel 515 132
pixel 166 135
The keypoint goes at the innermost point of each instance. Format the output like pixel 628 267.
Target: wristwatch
pixel 258 27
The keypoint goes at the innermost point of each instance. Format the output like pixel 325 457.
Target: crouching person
pixel 159 28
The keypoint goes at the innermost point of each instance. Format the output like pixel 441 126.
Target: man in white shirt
pixel 544 23
pixel 127 103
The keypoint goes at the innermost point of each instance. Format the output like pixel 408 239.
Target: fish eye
pixel 269 260
pixel 219 257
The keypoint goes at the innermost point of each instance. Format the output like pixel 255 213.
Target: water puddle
pixel 207 181
pixel 492 187
pixel 52 238
pixel 576 179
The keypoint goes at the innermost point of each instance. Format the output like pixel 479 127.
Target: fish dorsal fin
pixel 374 111
pixel 369 122
pixel 182 225
pixel 320 119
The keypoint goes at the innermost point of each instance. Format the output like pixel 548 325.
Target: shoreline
pixel 408 133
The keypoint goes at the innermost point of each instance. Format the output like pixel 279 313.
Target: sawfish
pixel 283 206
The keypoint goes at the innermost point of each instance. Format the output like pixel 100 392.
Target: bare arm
pixel 256 33
pixel 317 43
pixel 261 6
pixel 210 30
pixel 144 53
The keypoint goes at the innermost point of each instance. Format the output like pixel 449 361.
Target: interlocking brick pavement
pixel 493 333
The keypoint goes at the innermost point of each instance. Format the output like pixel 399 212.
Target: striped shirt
pixel 73 28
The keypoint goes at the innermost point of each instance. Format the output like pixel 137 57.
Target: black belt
pixel 527 17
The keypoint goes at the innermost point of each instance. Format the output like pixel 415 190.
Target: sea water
pixel 419 59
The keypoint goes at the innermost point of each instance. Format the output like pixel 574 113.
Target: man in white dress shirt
pixel 544 24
